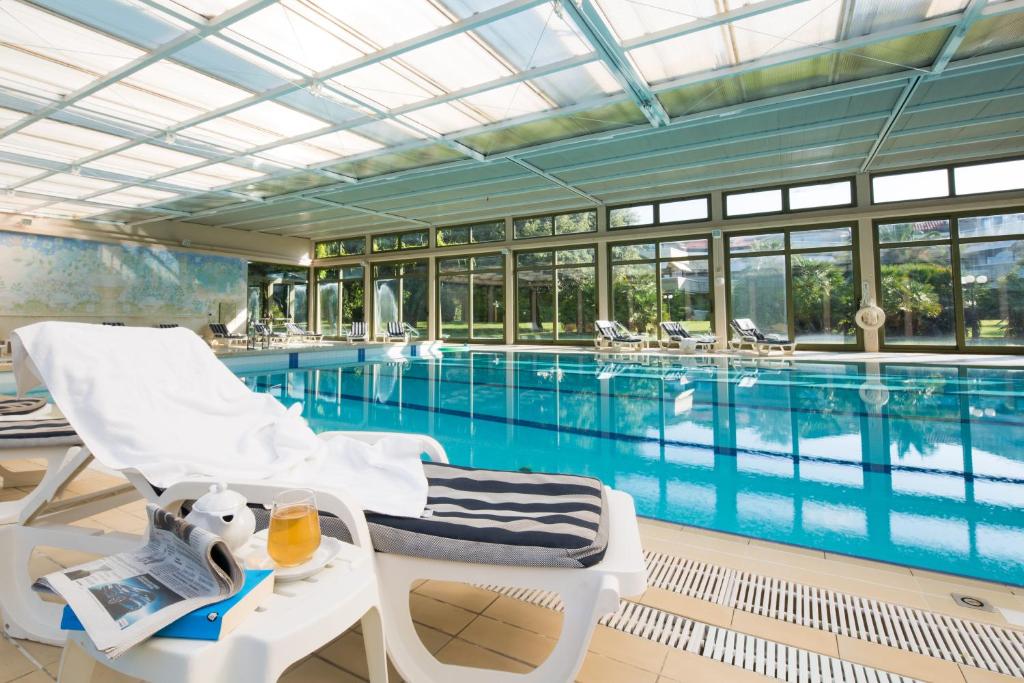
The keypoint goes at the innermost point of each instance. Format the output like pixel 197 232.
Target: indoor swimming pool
pixel 921 465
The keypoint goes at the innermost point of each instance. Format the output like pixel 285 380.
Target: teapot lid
pixel 220 501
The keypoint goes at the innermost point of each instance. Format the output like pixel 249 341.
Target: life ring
pixel 870 317
pixel 874 394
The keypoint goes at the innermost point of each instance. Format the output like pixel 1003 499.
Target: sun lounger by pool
pixel 296 332
pixel 747 336
pixel 357 332
pixel 676 335
pixel 590 555
pixel 221 333
pixel 395 331
pixel 614 335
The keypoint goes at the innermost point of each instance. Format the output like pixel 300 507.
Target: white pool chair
pixel 220 333
pixel 305 336
pixel 614 335
pixel 748 337
pixel 589 576
pixel 357 332
pixel 395 331
pixel 676 336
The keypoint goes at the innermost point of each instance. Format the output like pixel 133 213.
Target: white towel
pixel 160 402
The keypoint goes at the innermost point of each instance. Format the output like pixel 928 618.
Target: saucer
pixel 328 550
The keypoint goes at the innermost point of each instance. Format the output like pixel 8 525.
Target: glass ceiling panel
pixel 134 196
pixel 71 210
pixel 693 53
pixel 398 161
pixel 67 185
pixel 47 35
pixel 139 106
pixel 577 84
pixel 535 37
pixel 993 34
pixel 16 203
pixel 255 125
pixel 486 107
pixel 204 8
pixel 701 97
pixel 790 28
pixel 214 175
pixel 9 116
pixel 25 72
pixel 869 16
pixel 322 148
pixel 13 173
pixel 388 86
pixel 144 161
pixel 58 141
pixel 630 19
pixel 445 118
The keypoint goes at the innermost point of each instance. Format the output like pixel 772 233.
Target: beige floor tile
pixel 871 564
pixel 961 581
pixel 460 594
pixel 691 668
pixel 36 676
pixel 509 640
pixel 945 604
pixel 755 544
pixel 44 654
pixel 439 615
pixel 600 669
pixel 316 670
pixel 9 494
pixel 899 661
pixel 643 654
pixel 784 632
pixel 683 605
pixel 66 557
pixel 461 653
pixel 973 675
pixel 346 652
pixel 524 615
pixel 13 664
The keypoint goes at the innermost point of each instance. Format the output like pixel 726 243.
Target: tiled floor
pixel 468 625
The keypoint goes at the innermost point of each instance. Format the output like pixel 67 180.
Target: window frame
pixel 784 189
pixel 656 206
pixel 554 233
pixel 470 226
pixel 398 235
pixel 471 271
pixel 554 267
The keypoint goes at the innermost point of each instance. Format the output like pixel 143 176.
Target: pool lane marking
pixel 717 450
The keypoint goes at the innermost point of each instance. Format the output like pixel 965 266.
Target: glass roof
pixel 282 98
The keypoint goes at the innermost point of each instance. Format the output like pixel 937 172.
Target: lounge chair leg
pixel 76 666
pixel 25 615
pixel 586 597
pixel 373 643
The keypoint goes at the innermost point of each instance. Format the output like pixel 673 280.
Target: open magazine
pixel 123 599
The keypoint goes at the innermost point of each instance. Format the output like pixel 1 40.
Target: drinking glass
pixel 294 528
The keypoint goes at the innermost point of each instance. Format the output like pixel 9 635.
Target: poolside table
pixel 298 619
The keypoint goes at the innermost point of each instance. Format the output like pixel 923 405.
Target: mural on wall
pixel 43 276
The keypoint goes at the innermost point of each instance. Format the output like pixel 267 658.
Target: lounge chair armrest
pixel 434 450
pixel 328 499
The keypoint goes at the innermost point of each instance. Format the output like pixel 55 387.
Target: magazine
pixel 123 599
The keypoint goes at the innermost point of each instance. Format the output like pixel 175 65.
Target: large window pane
pixel 573 223
pixel 816 239
pixel 991 226
pixel 994 177
pixel 535 305
pixel 400 294
pixel 453 299
pixel 628 216
pixel 635 296
pixel 577 303
pixel 741 244
pixel 488 305
pixel 353 300
pixel 683 210
pixel 634 252
pixel 824 301
pixel 758 291
pixel 746 203
pixel 328 298
pixel 913 231
pixel 826 194
pixel 905 186
pixel 525 228
pixel 686 294
pixel 992 285
pixel 917 294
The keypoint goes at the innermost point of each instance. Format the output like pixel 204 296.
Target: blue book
pixel 210 622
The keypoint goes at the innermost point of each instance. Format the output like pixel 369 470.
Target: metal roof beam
pixel 971 13
pixel 557 181
pixel 586 18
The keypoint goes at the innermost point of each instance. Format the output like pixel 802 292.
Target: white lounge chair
pixel 677 336
pixel 357 332
pixel 263 332
pixel 590 574
pixel 296 332
pixel 395 331
pixel 613 335
pixel 221 334
pixel 747 336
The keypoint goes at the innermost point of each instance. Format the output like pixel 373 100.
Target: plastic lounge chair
pixel 221 333
pixel 112 323
pixel 747 336
pixel 357 332
pixel 675 333
pixel 296 332
pixel 455 542
pixel 395 331
pixel 166 326
pixel 614 335
pixel 263 331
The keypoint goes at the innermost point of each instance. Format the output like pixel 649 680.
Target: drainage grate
pixel 937 635
pixel 766 657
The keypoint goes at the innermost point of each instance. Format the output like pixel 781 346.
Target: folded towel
pixel 160 402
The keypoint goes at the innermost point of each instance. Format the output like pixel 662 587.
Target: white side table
pixel 298 619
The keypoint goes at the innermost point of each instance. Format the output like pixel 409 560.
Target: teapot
pixel 224 513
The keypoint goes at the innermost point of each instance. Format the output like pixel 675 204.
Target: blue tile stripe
pixel 361 356
pixel 293 360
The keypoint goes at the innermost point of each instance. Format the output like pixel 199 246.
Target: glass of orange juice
pixel 294 528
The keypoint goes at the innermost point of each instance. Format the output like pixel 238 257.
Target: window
pixel 493 231
pixel 820 195
pixel 556 297
pixel 355 246
pixel 653 282
pixel 975 301
pixel 796 282
pixel 898 187
pixel 559 224
pixel 674 211
pixel 994 177
pixel 916 282
pixel 341 298
pixel 400 241
pixel 748 203
pixel 400 295
pixel 471 298
pixel 278 294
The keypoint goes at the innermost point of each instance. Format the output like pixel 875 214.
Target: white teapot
pixel 224 513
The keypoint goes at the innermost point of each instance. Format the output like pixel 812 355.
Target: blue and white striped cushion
pixel 32 433
pixel 494 517
pixel 11 405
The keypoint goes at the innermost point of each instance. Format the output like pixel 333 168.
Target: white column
pixel 866 257
pixel 431 298
pixel 510 286
pixel 603 303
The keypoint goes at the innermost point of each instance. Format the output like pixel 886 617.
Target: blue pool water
pixel 917 465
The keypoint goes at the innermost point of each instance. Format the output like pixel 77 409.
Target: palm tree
pixel 910 297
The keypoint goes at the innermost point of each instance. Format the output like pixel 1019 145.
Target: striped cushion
pixel 10 405
pixel 30 433
pixel 494 517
